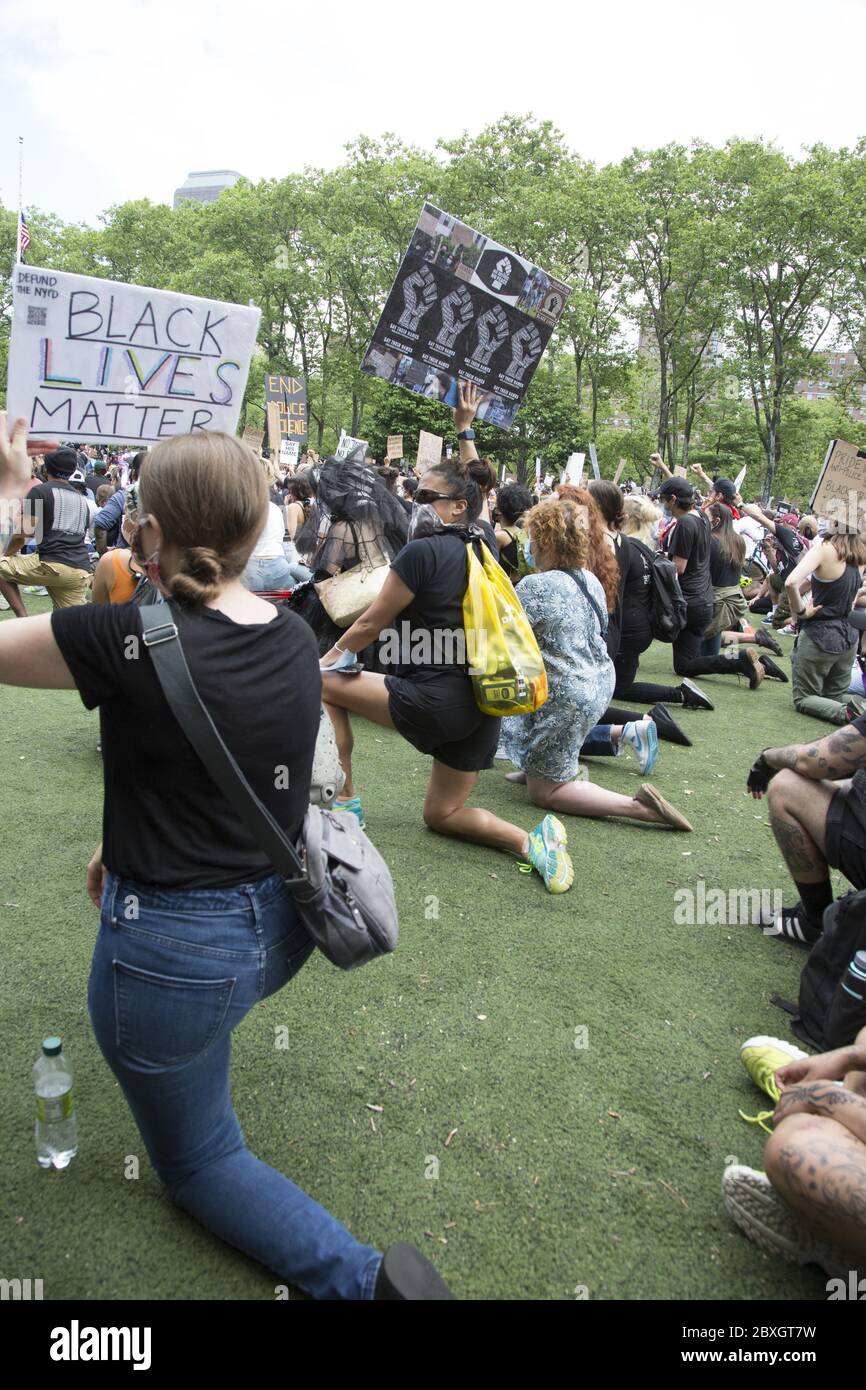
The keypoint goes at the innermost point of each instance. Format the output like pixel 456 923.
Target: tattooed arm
pixel 830 1101
pixel 833 758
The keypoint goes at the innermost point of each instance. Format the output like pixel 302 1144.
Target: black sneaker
pixel 667 727
pixel 406 1275
pixel 693 698
pixel 772 670
pixel 791 924
pixel 764 639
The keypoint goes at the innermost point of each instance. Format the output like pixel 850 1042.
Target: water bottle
pixel 847 1012
pixel 56 1130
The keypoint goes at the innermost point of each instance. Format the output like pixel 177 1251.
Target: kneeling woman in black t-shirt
pixel 196 927
pixel 430 700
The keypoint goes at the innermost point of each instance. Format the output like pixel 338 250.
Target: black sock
pixel 815 897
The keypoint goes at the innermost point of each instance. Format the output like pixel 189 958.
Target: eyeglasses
pixel 426 494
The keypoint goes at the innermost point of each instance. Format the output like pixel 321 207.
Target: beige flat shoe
pixel 666 813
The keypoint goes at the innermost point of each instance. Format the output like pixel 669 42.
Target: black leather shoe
pixel 772 670
pixel 765 639
pixel 405 1274
pixel 667 727
pixel 694 697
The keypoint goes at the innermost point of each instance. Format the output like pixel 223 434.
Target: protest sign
pixel 349 447
pixel 679 471
pixel 429 451
pixel 96 360
pixel 463 308
pixel 593 458
pixel 289 394
pixel 740 478
pixel 619 468
pixel 574 469
pixel 840 492
pixel 289 450
pixel 255 438
pixel 537 471
pixel 395 446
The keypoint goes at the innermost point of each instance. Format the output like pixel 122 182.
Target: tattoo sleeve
pixel 834 758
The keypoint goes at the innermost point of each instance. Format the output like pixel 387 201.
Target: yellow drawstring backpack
pixel 506 666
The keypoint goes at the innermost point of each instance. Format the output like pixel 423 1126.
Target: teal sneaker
pixel 547 854
pixel 643 737
pixel 351 804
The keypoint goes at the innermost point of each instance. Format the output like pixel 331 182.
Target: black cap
pixel 680 488
pixel 62 462
pixel 725 487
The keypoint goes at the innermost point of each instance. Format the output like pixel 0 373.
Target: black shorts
pixel 436 712
pixel 845 831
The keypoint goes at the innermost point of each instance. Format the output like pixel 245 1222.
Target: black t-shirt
pixel 65 519
pixel 690 538
pixel 789 549
pixel 435 569
pixel 165 821
pixel 722 572
pixel 636 569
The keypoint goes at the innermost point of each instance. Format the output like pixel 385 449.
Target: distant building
pixel 831 370
pixel 205 186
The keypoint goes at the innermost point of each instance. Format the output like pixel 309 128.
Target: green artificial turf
pixel 560 1167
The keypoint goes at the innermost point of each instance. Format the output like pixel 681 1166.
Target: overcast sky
pixel 120 99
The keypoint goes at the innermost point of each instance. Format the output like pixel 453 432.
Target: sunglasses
pixel 426 494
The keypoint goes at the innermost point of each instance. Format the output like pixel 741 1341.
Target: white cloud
pixel 120 100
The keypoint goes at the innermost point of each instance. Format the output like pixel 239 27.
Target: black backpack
pixel 828 1014
pixel 668 608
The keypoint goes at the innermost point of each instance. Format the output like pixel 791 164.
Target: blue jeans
pixel 711 646
pixel 263 575
pixel 174 971
pixel 599 744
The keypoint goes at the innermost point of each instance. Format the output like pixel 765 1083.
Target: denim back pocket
pixel 165 1021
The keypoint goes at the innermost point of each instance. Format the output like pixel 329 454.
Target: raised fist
pixel 492 332
pixel 419 293
pixel 456 314
pixel 525 349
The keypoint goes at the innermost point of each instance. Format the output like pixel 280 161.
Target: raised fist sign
pixel 492 332
pixel 419 293
pixel 525 349
pixel 456 314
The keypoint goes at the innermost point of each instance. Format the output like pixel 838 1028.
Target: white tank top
pixel 269 545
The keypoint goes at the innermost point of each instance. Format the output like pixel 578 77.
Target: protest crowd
pixel 261 572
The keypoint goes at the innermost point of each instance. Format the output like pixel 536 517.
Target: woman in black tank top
pixel 827 643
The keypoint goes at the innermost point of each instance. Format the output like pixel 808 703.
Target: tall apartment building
pixel 831 368
pixel 205 186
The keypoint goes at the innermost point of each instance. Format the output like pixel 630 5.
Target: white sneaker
pixel 755 1206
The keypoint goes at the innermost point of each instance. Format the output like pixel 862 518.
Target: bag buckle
pixel 166 632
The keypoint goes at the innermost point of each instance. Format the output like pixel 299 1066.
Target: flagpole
pixel 20 197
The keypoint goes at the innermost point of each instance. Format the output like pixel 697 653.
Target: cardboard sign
pixel 255 438
pixel 395 446
pixel 463 308
pixel 289 451
pixel 429 451
pixel 349 447
pixel 289 394
pixel 94 360
pixel 574 470
pixel 619 470
pixel 840 491
pixel 593 458
pixel 679 471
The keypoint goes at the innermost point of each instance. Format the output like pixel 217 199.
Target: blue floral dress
pixel 580 675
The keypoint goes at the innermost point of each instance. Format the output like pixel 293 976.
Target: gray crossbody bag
pixel 341 885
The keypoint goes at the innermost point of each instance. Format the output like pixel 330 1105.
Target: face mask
pixel 528 553
pixel 149 563
pixel 426 521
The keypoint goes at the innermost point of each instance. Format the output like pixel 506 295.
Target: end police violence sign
pixel 94 360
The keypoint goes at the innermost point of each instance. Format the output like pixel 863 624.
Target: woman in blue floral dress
pixel 565 604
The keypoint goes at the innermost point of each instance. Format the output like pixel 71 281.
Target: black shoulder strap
pixel 162 640
pixel 584 588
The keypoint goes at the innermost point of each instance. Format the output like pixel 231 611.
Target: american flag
pixel 23 236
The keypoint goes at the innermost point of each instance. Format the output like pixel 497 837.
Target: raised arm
pixel 15 453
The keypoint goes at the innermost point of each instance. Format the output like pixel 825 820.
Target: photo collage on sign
pixel 464 308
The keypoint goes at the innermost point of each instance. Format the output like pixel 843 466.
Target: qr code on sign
pixel 37 316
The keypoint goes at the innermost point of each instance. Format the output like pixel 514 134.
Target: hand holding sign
pixel 469 399
pixel 15 453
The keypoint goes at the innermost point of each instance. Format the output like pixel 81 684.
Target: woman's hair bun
pixel 199 577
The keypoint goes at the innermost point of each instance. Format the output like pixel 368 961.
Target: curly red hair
pixel 601 560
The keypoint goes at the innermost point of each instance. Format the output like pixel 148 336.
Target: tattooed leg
pixel 818 1169
pixel 798 817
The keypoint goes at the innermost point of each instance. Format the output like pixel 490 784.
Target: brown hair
pixel 850 546
pixel 609 500
pixel 210 495
pixel 472 480
pixel 600 560
pixel 561 531
pixel 731 545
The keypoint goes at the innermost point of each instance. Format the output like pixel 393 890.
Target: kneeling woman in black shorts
pixel 430 700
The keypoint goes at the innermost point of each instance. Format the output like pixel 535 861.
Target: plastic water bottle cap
pixel 52 1046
